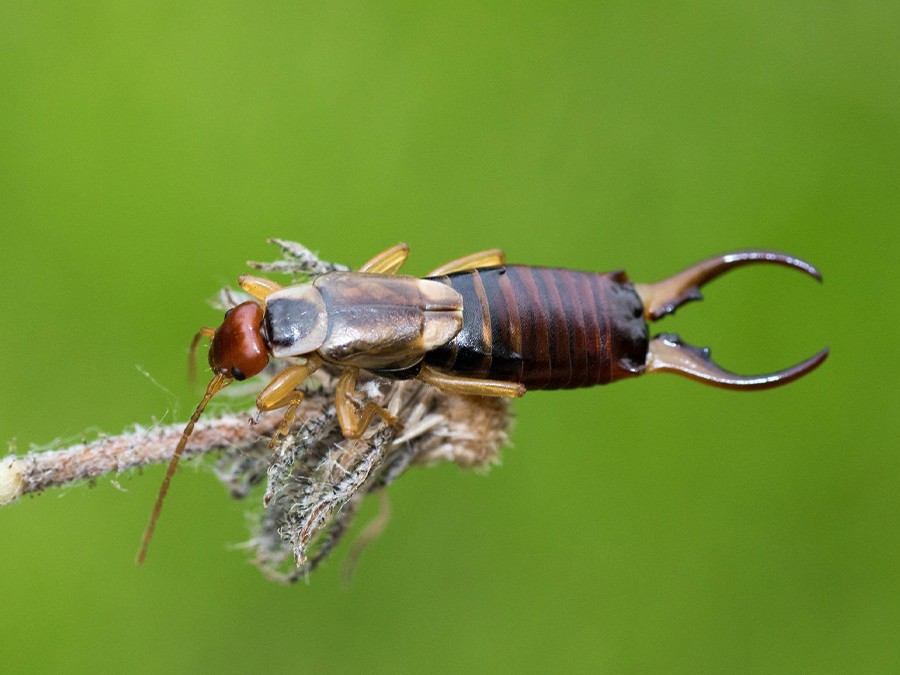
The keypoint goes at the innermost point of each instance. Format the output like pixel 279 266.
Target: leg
pixel 490 258
pixel 206 331
pixel 353 422
pixel 471 386
pixel 258 287
pixel 281 392
pixel 387 262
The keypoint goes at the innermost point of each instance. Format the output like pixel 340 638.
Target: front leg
pixel 258 287
pixel 282 392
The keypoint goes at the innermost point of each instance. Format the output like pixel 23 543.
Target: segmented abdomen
pixel 546 328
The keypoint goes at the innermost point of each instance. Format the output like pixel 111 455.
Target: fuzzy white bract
pixel 11 473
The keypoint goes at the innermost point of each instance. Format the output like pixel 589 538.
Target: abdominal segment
pixel 546 328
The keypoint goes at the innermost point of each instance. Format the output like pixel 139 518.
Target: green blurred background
pixel 147 151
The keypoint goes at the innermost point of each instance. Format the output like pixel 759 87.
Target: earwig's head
pixel 238 349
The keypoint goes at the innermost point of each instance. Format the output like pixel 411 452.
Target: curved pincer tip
pixel 753 256
pixel 664 297
pixel 667 353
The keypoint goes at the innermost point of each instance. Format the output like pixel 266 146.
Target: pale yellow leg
pixel 490 258
pixel 471 386
pixel 354 422
pixel 258 287
pixel 281 392
pixel 387 262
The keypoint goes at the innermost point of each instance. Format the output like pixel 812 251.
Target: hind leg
pixel 490 258
pixel 471 386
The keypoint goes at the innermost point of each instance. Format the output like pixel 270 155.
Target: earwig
pixel 473 326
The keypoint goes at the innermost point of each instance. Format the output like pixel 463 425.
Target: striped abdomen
pixel 546 328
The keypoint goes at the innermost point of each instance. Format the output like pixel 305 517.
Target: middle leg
pixel 354 422
pixel 387 262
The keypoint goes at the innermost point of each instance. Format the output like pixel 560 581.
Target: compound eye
pixel 237 374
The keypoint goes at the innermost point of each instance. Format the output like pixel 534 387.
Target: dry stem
pixel 35 472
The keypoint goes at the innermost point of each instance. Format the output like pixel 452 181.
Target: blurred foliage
pixel 148 150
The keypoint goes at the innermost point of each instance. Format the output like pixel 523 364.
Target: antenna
pixel 192 352
pixel 217 383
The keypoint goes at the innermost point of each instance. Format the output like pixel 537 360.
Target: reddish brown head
pixel 238 348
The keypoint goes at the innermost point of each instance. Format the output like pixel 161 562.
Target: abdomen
pixel 546 328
